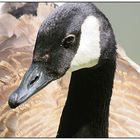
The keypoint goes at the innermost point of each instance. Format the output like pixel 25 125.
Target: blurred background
pixel 125 20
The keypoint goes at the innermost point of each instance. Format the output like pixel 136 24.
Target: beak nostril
pixel 33 81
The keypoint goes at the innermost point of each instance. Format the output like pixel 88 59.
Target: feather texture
pixel 40 115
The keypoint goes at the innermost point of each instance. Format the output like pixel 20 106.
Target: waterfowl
pixel 40 115
pixel 85 44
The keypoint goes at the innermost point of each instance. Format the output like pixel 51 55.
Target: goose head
pixel 73 37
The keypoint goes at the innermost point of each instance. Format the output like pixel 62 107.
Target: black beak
pixel 33 81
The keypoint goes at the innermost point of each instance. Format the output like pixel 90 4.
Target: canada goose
pixel 20 121
pixel 80 38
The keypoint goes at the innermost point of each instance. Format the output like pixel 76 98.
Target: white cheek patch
pixel 89 48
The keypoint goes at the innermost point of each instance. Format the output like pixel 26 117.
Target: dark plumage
pixel 40 115
pixel 87 108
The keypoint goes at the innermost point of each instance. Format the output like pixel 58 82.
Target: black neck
pixel 86 111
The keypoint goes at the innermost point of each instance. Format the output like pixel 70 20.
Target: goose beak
pixel 33 81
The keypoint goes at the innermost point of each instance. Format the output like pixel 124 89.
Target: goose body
pixel 57 96
pixel 85 46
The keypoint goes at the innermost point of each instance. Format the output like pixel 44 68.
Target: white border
pixel 64 1
pixel 71 1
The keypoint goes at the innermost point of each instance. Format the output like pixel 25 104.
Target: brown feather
pixel 40 115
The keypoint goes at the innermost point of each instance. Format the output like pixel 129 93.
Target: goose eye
pixel 67 41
